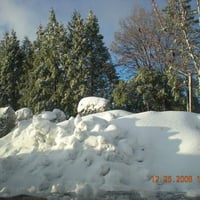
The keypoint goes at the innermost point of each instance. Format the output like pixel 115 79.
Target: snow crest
pixel 108 151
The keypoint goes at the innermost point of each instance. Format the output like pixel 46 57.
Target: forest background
pixel 157 49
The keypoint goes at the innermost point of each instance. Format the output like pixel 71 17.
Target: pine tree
pixel 148 90
pixel 48 59
pixel 90 69
pixel 64 65
pixel 75 62
pixel 124 96
pixel 10 70
pixel 155 91
pixel 26 67
pixel 100 71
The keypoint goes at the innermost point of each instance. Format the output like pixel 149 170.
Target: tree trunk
pixel 190 92
pixel 199 83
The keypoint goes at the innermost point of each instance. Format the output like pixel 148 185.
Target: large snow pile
pixel 108 151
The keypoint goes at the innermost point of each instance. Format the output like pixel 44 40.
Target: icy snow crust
pixel 108 151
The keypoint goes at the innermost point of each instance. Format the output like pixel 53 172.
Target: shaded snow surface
pixel 109 151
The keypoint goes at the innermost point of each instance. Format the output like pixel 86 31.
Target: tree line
pixel 158 48
pixel 162 49
pixel 63 64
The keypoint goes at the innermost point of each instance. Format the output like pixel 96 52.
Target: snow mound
pixel 56 115
pixel 60 115
pixel 24 114
pixel 90 105
pixel 107 151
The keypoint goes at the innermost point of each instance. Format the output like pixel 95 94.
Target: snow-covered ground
pixel 108 151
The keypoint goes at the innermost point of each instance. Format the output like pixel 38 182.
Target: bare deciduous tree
pixel 180 20
pixel 141 42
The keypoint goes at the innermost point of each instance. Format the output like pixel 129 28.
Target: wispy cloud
pixel 16 16
pixel 24 16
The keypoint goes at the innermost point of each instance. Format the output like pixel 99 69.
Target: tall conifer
pixel 48 56
pixel 26 67
pixel 100 71
pixel 10 70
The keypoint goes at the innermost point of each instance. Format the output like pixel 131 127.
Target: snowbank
pixel 23 114
pixel 89 105
pixel 109 151
pixel 55 116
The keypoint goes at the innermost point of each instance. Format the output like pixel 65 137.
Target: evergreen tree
pixel 48 59
pixel 76 37
pixel 10 70
pixel 154 88
pixel 26 50
pixel 125 96
pixel 90 69
pixel 60 67
pixel 148 90
pixel 100 71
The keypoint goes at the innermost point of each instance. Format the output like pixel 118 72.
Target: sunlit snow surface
pixel 109 151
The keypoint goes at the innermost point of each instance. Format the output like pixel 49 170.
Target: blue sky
pixel 24 16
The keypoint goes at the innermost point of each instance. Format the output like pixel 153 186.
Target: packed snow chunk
pixel 115 132
pixel 7 120
pixel 89 105
pixel 60 115
pixel 98 143
pixel 44 132
pixel 41 125
pixel 90 123
pixel 109 115
pixel 67 125
pixel 24 114
pixel 48 115
pixel 56 115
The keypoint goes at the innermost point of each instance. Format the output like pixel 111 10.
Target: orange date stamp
pixel 176 179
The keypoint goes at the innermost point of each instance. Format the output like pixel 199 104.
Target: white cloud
pixel 24 16
pixel 18 17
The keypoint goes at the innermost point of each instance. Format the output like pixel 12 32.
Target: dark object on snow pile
pixel 7 120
